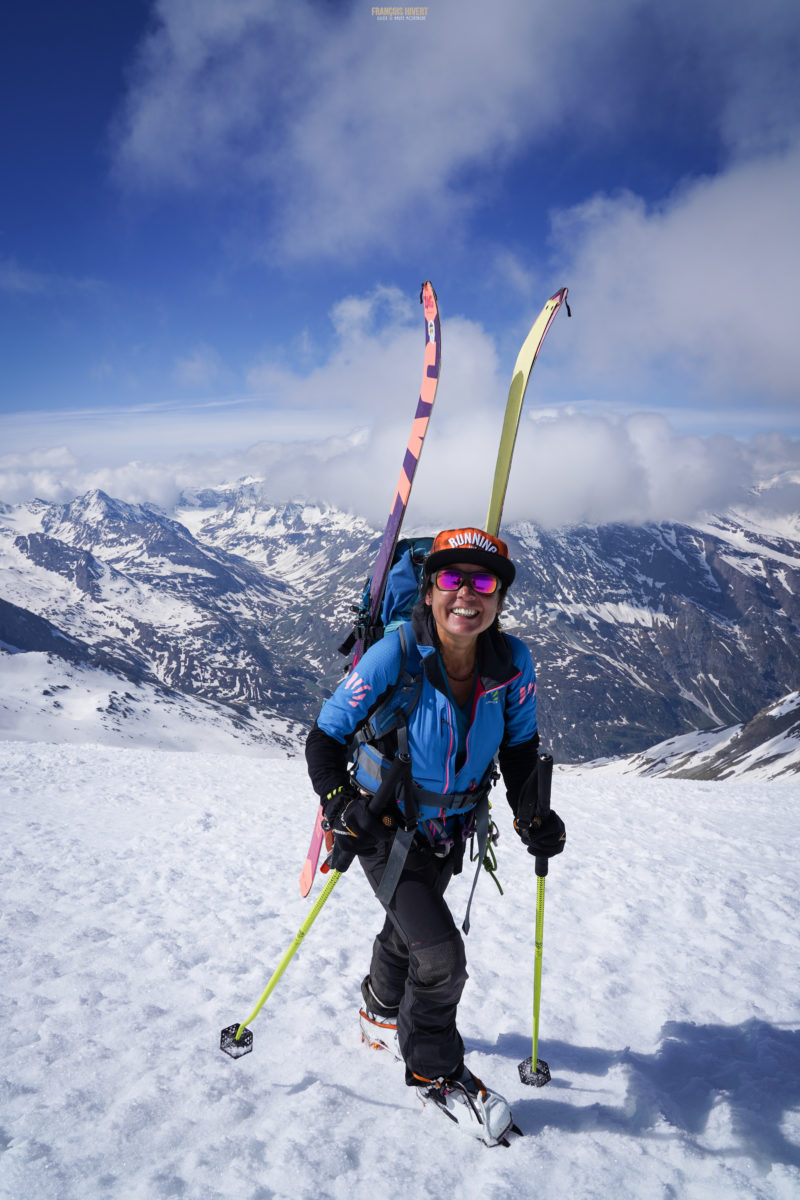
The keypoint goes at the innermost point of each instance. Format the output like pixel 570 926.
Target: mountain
pixel 643 632
pixel 639 633
pixel 126 589
pixel 766 747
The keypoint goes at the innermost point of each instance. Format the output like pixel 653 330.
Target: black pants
pixel 418 962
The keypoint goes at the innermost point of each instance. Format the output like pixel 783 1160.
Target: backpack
pixel 400 593
pixel 383 733
pixel 403 581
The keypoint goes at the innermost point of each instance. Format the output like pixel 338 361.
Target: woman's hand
pixel 546 839
pixel 355 830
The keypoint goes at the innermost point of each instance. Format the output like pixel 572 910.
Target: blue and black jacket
pixel 502 721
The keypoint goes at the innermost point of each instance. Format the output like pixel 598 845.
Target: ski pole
pixel 534 1070
pixel 236 1040
pixel 541 1075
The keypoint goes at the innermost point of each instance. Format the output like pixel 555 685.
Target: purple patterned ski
pixel 427 395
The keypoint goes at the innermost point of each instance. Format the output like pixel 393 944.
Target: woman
pixel 475 699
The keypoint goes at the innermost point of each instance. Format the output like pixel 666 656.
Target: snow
pixel 43 696
pixel 148 896
pixel 725 751
pixel 749 533
pixel 675 751
pixel 612 613
pixel 787 705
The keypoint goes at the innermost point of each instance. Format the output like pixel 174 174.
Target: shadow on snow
pixel 754 1068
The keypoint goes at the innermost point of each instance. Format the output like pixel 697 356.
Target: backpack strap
pixel 388 716
pixel 401 844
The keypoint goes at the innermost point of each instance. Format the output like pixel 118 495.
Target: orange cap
pixel 471 546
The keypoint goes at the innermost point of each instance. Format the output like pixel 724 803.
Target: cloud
pixel 567 470
pixel 351 134
pixel 200 369
pixel 698 291
pixel 337 433
pixel 375 365
pixel 25 281
pixel 570 465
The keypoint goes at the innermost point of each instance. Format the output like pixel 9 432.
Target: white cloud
pixel 567 470
pixel 375 365
pixel 20 280
pixel 699 291
pixel 354 132
pixel 200 369
pixel 25 281
pixel 351 130
pixel 570 465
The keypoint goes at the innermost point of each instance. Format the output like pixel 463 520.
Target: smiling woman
pixel 465 603
pixel 475 699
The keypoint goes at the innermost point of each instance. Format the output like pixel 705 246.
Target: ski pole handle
pixel 545 786
pixel 385 799
pixel 545 772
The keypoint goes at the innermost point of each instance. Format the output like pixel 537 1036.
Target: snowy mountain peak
pixel 639 634
pixel 97 519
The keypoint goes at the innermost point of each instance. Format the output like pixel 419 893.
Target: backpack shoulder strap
pixel 392 712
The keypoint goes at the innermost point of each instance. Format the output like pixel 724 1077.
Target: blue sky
pixel 216 217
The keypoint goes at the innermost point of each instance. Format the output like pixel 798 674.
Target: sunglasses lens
pixel 484 584
pixel 448 580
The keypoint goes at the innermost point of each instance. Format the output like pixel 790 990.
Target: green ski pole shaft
pixel 290 953
pixel 535 1071
pixel 537 968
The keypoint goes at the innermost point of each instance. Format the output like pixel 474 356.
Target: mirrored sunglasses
pixel 482 582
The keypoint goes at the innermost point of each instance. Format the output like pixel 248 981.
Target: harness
pixel 371 767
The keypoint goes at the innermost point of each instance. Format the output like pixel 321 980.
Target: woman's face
pixel 464 613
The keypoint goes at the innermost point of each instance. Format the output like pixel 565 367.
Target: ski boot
pixel 378 1023
pixel 477 1110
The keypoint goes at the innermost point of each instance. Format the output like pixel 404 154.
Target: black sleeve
pixel 327 762
pixel 516 764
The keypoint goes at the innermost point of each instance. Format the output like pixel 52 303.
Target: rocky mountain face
pixel 638 633
pixel 643 632
pixel 765 747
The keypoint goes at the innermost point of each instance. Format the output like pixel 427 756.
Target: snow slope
pixel 147 897
pixel 46 697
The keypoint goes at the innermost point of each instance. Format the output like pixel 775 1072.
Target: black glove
pixel 355 830
pixel 544 839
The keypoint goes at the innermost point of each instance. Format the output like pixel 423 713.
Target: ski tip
pixel 561 298
pixel 427 298
pixel 306 879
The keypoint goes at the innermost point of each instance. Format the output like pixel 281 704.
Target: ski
pixel 419 427
pixel 516 394
pixel 427 395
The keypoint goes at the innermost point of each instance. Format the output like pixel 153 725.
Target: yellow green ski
pixel 516 394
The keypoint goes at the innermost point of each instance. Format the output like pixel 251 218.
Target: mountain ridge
pixel 639 633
